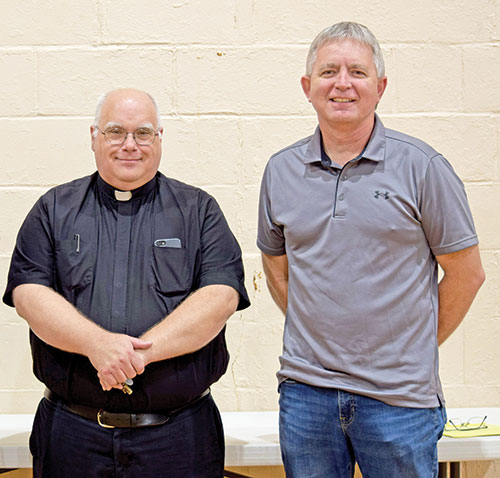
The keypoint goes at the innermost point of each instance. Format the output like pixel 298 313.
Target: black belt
pixel 119 420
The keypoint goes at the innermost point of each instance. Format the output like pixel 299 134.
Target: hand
pixel 116 358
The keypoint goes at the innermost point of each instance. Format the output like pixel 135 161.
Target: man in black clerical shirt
pixel 126 279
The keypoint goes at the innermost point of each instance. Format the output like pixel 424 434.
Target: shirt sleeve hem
pixel 271 251
pixel 456 246
pixel 7 297
pixel 214 279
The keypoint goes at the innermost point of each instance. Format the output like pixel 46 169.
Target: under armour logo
pixel 379 194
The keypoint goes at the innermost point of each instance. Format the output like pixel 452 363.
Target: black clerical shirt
pixel 126 264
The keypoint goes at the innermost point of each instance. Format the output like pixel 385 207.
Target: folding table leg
pixel 455 469
pixel 443 470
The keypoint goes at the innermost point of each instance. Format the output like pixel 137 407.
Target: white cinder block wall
pixel 226 75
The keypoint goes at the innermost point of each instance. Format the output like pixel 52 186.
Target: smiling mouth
pixel 342 100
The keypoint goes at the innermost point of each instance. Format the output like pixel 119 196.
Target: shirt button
pixel 119 284
pixel 341 197
pixel 344 177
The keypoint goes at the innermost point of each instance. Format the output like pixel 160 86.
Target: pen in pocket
pixel 76 237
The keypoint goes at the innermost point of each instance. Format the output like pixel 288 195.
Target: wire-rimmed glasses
pixel 117 136
pixel 472 423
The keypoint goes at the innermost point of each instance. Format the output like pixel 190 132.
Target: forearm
pixel 276 272
pixel 54 320
pixel 193 324
pixel 463 276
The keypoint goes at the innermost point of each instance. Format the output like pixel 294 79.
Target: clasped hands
pixel 118 357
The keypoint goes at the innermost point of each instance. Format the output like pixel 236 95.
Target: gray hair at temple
pixel 346 31
pixel 102 99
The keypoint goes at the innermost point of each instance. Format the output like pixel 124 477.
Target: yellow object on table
pixel 475 431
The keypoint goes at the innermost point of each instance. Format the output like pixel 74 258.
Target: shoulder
pixel 299 145
pixel 416 158
pixel 186 195
pixel 68 191
pixel 297 148
pixel 290 158
pixel 398 140
pixel 179 188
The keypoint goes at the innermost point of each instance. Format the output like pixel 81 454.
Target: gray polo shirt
pixel 361 243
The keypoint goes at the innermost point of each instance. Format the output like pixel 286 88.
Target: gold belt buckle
pixel 104 425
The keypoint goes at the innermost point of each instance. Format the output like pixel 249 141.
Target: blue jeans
pixel 323 432
pixel 189 445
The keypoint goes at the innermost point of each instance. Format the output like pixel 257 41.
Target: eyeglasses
pixel 473 423
pixel 116 135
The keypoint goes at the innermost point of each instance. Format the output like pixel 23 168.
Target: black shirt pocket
pixel 171 271
pixel 74 266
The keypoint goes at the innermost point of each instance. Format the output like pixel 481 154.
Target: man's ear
pixel 305 81
pixel 92 138
pixel 381 86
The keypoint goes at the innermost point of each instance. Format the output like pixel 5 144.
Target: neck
pixel 343 143
pixel 124 185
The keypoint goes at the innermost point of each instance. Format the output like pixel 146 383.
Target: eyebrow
pixel 119 125
pixel 358 66
pixel 327 65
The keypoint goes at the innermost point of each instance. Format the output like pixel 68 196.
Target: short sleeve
pixel 33 257
pixel 270 236
pixel 221 261
pixel 445 213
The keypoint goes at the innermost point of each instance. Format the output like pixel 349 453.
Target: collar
pixel 374 149
pixel 119 195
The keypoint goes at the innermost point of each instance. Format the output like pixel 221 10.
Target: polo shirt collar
pixel 374 150
pixel 122 196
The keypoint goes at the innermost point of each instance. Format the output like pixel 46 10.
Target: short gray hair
pixel 102 99
pixel 346 31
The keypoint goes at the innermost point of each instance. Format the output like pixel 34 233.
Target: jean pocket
pixel 287 382
pixel 443 419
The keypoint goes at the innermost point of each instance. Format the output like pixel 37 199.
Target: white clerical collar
pixel 123 195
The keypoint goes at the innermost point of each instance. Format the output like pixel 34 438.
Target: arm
pixel 193 324
pixel 276 271
pixel 54 320
pixel 463 276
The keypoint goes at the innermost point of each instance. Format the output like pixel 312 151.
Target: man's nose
pixel 343 80
pixel 129 142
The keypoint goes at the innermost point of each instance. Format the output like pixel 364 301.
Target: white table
pixel 252 440
pixel 14 437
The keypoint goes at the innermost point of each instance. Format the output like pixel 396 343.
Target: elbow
pixel 479 278
pixel 25 296
pixel 233 299
pixel 224 297
pixel 474 279
pixel 20 296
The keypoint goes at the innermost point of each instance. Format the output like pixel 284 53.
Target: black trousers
pixel 189 445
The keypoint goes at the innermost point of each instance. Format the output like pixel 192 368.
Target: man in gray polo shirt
pixel 353 222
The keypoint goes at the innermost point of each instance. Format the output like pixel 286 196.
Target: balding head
pixel 102 99
pixel 128 165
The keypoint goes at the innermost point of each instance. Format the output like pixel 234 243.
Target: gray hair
pixel 347 31
pixel 102 99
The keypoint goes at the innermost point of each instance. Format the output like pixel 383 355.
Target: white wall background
pixel 226 75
